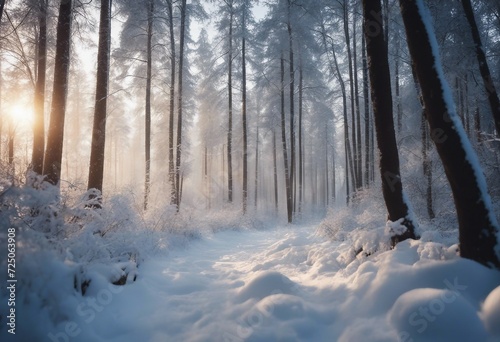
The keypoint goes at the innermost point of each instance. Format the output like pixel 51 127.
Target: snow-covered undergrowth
pixel 66 246
pixel 338 281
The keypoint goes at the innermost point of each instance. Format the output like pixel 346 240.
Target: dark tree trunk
pixel 53 152
pixel 366 95
pixel 349 164
pixel 359 157
pixel 178 159
pixel 96 169
pixel 39 121
pixel 477 123
pixel 292 107
pixel 301 162
pixel 478 229
pixel 354 174
pixel 378 64
pixel 171 161
pixel 147 180
pixel 399 111
pixel 489 85
pixel 283 141
pixel 426 161
pixel 244 116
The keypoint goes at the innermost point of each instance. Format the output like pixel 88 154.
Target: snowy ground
pixel 284 284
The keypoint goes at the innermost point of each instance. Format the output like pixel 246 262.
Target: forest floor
pixel 289 283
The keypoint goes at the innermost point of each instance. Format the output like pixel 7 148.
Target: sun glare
pixel 21 115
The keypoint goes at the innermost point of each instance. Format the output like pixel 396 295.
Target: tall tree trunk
pixel 256 184
pixel 477 123
pixel 349 164
pixel 149 48
pixel 399 111
pixel 426 161
pixel 53 152
pixel 230 108
pixel 275 169
pixel 171 161
pixel 244 114
pixel 288 189
pixel 301 162
pixel 489 85
pixel 354 175
pixel 292 106
pixel 96 169
pixel 366 95
pixel 427 166
pixel 378 64
pixel 478 228
pixel 179 106
pixel 347 147
pixel 359 157
pixel 39 122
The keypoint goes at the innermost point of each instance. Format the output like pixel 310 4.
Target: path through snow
pixel 287 284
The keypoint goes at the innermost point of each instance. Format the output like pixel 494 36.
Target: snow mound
pixel 427 314
pixel 265 284
pixel 491 312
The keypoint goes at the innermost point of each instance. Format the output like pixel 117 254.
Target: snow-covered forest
pixel 249 170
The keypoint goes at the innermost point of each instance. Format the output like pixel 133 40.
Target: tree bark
pixel 39 121
pixel 178 159
pixel 149 47
pixel 53 152
pixel 399 111
pixel 275 169
pixel 359 157
pixel 489 85
pixel 288 189
pixel 354 174
pixel 301 161
pixel 244 114
pixel 349 164
pixel 292 106
pixel 378 64
pixel 171 161
pixel 366 95
pixel 96 169
pixel 478 228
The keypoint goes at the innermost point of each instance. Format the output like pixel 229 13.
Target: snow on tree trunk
pixel 478 227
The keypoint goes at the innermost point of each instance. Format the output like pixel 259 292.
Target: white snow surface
pixel 289 283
